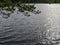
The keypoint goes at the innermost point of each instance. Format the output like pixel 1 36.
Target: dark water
pixel 22 30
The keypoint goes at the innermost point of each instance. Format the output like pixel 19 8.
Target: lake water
pixel 22 30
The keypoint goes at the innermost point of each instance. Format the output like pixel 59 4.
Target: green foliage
pixel 10 9
pixel 58 1
pixel 50 1
pixel 26 7
pixel 9 2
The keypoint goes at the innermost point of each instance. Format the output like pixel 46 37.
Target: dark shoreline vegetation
pixel 21 5
pixel 21 8
pixel 10 6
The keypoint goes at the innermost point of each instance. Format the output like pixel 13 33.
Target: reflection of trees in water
pixel 5 14
pixel 6 11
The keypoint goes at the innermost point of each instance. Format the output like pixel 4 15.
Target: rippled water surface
pixel 22 30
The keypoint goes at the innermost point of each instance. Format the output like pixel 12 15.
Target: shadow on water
pixel 6 11
pixel 6 15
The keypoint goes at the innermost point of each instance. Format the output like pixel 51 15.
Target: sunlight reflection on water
pixel 19 27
